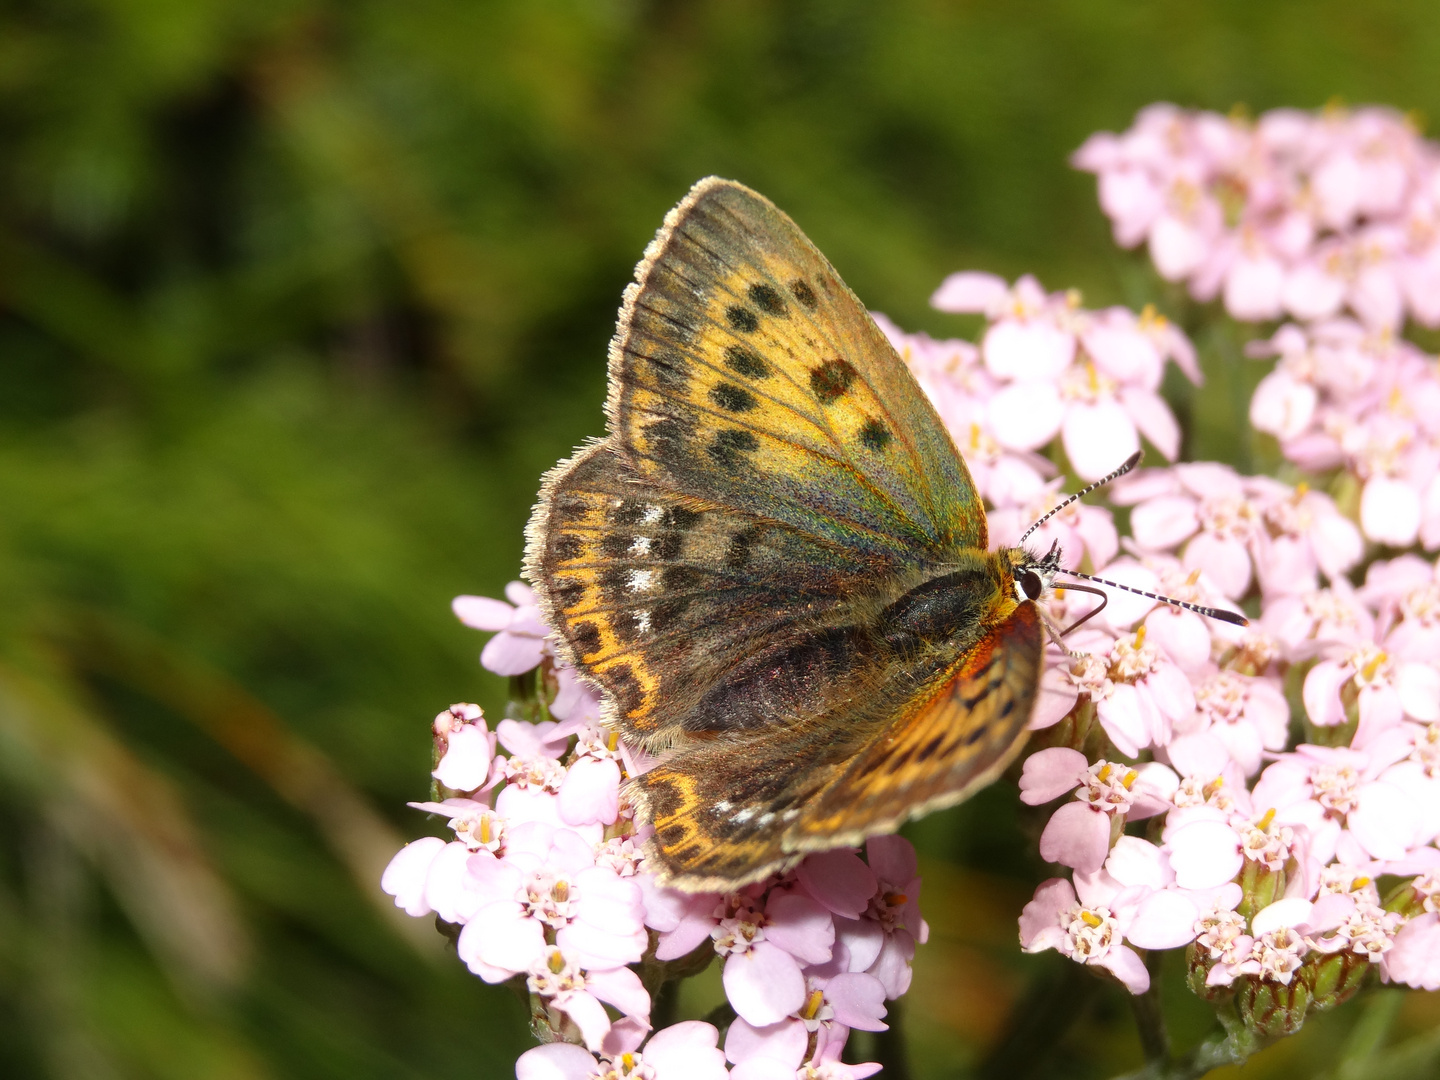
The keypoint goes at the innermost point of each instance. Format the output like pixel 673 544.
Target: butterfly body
pixel 775 565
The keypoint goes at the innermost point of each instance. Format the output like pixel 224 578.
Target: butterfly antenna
pixel 1130 463
pixel 1231 617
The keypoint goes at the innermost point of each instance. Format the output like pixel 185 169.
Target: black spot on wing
pixel 678 517
pixel 680 578
pixel 806 295
pixel 625 688
pixel 731 445
pixel 737 552
pixel 569 547
pixel 732 398
pixel 874 435
pixel 669 369
pixel 831 380
pixel 766 299
pixel 587 638
pixel 669 438
pixel 925 752
pixel 628 512
pixel 742 318
pixel 616 545
pixel 569 593
pixel 669 611
pixel 746 362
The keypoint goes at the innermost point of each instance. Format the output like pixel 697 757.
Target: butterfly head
pixel 1034 575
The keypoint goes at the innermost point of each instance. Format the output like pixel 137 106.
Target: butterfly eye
pixel 1031 583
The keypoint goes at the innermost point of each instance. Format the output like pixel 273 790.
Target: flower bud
pixel 1272 1009
pixel 1333 979
pixel 1197 968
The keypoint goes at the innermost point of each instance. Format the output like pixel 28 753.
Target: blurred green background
pixel 297 300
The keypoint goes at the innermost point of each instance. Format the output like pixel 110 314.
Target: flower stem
pixel 890 1049
pixel 1150 1016
pixel 1233 1047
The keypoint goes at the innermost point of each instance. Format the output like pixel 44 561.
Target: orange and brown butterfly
pixel 775 565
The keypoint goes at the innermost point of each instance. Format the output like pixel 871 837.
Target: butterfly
pixel 775 564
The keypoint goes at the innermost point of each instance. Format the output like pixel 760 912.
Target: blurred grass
pixel 297 299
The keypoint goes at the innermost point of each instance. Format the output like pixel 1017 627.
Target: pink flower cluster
pixel 1238 531
pixel 546 880
pixel 1297 213
pixel 1266 858
pixel 1342 396
pixel 1045 367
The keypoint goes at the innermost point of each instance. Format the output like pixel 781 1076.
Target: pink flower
pixel 1055 919
pixel 1055 369
pixel 548 880
pixel 1081 530
pixel 1206 504
pixel 578 994
pixel 519 644
pixel 895 910
pixel 1320 621
pixel 832 1006
pixel 590 792
pixel 1385 690
pixel 1139 693
pixel 1079 833
pixel 469 747
pixel 404 877
pixel 1244 715
pixel 1415 958
pixel 763 981
pixel 684 1051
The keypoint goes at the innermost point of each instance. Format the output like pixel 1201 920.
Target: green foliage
pixel 297 299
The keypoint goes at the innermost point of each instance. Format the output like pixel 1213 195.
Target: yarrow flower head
pixel 1305 214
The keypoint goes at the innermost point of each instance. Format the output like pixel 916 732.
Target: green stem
pixel 1233 1047
pixel 1150 1016
pixel 721 1017
pixel 890 1049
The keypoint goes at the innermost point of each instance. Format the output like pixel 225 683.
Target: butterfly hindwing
pixel 745 371
pixel 727 813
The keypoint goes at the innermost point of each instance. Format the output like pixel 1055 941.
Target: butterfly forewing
pixel 746 370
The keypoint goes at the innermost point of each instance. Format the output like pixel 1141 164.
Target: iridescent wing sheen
pixel 730 811
pixel 658 595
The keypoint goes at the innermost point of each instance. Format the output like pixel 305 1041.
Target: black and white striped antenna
pixel 1232 617
pixel 1130 463
pixel 1052 561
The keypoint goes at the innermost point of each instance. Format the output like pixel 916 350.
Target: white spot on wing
pixel 641 580
pixel 642 621
pixel 640 547
pixel 653 514
pixel 742 816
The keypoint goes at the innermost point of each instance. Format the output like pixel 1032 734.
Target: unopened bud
pixel 1272 1009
